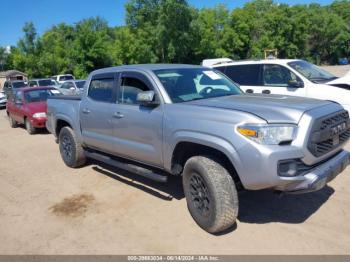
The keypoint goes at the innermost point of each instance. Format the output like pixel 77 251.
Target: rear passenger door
pixel 138 130
pixel 247 76
pixel 96 113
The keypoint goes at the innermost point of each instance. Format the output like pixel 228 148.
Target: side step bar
pixel 128 167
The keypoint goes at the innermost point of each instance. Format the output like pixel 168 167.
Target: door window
pixel 245 75
pixel 102 90
pixel 129 88
pixel 19 97
pixel 276 75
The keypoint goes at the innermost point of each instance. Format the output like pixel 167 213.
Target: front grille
pixel 329 133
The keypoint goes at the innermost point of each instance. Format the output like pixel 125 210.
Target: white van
pixel 285 76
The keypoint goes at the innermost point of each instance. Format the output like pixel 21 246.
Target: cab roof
pixel 145 67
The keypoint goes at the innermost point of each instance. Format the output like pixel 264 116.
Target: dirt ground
pixel 338 70
pixel 48 208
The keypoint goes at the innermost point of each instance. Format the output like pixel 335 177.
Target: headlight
pixel 39 115
pixel 269 134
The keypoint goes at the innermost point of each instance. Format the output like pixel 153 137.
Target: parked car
pixel 73 87
pixel 286 77
pixel 343 61
pixel 42 82
pixel 28 106
pixel 3 99
pixel 60 79
pixel 192 121
pixel 10 86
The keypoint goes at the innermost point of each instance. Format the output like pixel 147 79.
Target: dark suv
pixel 9 86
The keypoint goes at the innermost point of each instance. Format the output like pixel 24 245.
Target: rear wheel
pixel 71 150
pixel 210 194
pixel 29 127
pixel 13 123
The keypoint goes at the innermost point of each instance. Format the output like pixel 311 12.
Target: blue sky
pixel 45 13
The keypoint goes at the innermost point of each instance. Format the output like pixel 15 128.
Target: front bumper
pixel 318 177
pixel 39 122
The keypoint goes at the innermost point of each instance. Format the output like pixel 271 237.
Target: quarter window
pixel 102 90
pixel 129 89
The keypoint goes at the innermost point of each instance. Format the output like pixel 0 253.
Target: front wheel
pixel 210 193
pixel 71 150
pixel 29 127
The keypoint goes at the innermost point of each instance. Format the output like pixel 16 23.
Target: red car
pixel 28 106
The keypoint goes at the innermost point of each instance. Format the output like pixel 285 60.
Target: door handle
pixel 86 111
pixel 118 115
pixel 249 91
pixel 266 91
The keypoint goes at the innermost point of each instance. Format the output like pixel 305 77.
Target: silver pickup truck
pixel 192 121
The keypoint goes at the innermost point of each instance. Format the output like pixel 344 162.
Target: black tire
pixel 210 193
pixel 29 127
pixel 71 150
pixel 13 123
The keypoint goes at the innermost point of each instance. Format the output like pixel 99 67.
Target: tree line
pixel 173 31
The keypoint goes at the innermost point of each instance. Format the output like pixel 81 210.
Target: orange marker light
pixel 247 132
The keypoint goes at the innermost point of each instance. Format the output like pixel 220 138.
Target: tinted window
pixel 129 89
pixel 276 75
pixel 195 83
pixel 19 84
pixel 39 95
pixel 246 75
pixel 46 82
pixel 101 89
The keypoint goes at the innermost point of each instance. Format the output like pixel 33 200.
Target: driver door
pixel 277 79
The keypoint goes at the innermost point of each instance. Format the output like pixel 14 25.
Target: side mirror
pixel 18 103
pixel 295 84
pixel 146 98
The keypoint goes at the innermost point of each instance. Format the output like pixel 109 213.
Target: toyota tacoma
pixel 194 122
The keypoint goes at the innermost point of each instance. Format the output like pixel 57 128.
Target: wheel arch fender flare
pixel 215 142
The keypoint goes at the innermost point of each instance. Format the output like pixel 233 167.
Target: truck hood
pixel 341 82
pixel 272 108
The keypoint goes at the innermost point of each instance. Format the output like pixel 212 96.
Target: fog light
pixel 288 168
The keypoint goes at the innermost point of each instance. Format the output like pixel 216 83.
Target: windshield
pixel 66 77
pixel 46 82
pixel 189 84
pixel 80 84
pixel 40 95
pixel 19 84
pixel 311 72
